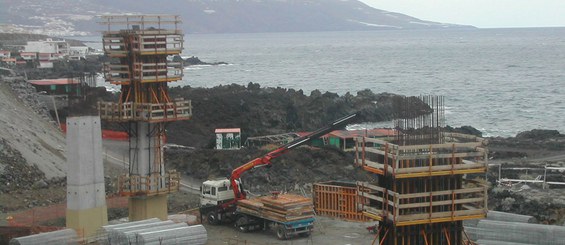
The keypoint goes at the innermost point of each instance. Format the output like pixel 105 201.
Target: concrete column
pixel 146 160
pixel 86 195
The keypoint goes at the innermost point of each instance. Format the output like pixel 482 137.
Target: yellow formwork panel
pixel 440 220
pixel 440 173
pixel 141 208
pixel 87 221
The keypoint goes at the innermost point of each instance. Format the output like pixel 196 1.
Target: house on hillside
pixel 228 138
pixel 48 46
pixel 61 86
pixel 47 51
pixel 28 55
pixel 77 53
pixel 54 93
pixel 345 139
pixel 5 54
pixel 9 61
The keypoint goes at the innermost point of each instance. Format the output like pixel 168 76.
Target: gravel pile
pixel 29 96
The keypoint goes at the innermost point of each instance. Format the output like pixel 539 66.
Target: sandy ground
pixel 326 231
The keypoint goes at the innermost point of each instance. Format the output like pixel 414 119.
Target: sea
pixel 500 81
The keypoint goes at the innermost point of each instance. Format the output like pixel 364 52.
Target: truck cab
pixel 215 192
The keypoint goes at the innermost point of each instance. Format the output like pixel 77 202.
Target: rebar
pixel 419 120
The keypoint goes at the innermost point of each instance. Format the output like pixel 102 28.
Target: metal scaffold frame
pixel 421 196
pixel 139 48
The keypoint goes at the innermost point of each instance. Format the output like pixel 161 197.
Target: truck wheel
pixel 281 233
pixel 212 218
pixel 241 223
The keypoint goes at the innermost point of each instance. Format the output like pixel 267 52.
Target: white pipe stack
pixel 61 237
pixel 103 234
pixel 132 236
pixel 152 231
pixel 510 217
pixel 194 235
pixel 519 232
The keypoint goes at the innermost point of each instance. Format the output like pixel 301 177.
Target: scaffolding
pixel 140 50
pixel 337 199
pixel 421 196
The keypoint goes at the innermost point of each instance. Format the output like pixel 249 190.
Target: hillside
pixel 27 134
pixel 78 17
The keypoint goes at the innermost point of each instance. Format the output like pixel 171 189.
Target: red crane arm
pixel 266 159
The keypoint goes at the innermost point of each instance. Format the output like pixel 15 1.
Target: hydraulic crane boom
pixel 266 159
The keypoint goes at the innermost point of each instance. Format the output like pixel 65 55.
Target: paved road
pixel 116 153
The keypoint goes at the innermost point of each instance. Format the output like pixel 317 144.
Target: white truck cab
pixel 215 192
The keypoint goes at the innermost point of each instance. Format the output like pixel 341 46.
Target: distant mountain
pixel 78 17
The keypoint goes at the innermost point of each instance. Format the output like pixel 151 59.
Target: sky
pixel 480 13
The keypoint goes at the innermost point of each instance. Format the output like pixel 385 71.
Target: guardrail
pixel 149 112
pixel 423 207
pixel 154 184
pixel 456 157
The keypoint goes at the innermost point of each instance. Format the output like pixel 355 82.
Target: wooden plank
pixel 440 203
pixel 377 151
pixel 440 146
pixel 373 197
pixel 373 140
pixel 439 168
pixel 439 193
pixel 370 186
pixel 436 156
pixel 374 164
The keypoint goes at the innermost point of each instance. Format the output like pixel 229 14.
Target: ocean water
pixel 500 81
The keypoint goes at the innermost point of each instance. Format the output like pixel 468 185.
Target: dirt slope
pixel 26 131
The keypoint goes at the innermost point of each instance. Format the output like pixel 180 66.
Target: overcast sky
pixel 480 13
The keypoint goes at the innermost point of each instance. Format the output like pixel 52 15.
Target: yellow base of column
pixel 148 207
pixel 87 221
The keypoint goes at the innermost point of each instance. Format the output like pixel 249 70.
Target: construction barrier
pixel 106 134
pixel 337 199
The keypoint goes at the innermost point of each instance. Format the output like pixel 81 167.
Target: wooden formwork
pixel 461 155
pixel 154 184
pixel 421 196
pixel 148 112
pixel 424 207
pixel 338 199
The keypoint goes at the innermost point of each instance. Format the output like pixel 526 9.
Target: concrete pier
pixel 86 195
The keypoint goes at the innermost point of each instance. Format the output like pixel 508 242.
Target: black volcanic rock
pixel 265 111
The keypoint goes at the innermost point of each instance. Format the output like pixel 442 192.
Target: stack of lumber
pixel 282 208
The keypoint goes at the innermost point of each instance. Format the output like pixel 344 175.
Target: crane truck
pixel 221 200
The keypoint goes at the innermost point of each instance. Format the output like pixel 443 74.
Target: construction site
pixel 416 182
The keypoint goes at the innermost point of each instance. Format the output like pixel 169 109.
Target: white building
pixel 228 138
pixel 48 46
pixel 5 54
pixel 28 55
pixel 76 53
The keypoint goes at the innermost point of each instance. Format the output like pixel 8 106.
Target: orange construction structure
pixel 140 49
pixel 429 181
pixel 337 199
pixel 421 196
